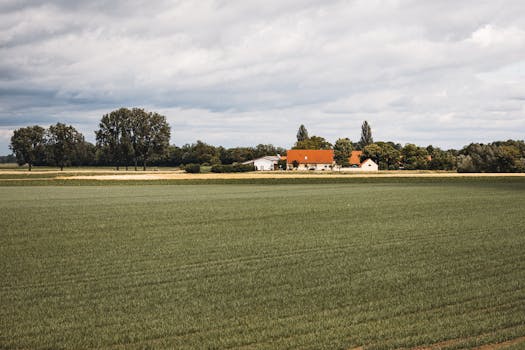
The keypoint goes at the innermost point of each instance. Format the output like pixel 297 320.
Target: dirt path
pixel 186 176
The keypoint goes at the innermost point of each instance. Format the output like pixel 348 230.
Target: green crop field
pixel 376 264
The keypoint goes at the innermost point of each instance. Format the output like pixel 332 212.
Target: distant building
pixel 266 163
pixel 367 165
pixel 307 159
pixel 355 158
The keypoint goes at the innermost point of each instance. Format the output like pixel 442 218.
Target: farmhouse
pixel 307 159
pixel 355 158
pixel 266 163
pixel 367 165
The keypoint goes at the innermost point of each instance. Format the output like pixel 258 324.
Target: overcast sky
pixel 243 72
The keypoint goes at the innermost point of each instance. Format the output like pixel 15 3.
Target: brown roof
pixel 355 158
pixel 310 156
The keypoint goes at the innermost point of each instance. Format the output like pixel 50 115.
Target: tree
pixel 113 136
pixel 85 154
pixel 314 142
pixel 262 150
pixel 441 160
pixel 374 152
pixel 10 158
pixel 149 135
pixel 415 157
pixel 342 151
pixel 28 145
pixel 508 156
pixel 366 135
pixel 62 143
pixel 200 153
pixel 384 154
pixel 302 134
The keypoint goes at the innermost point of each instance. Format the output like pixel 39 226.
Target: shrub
pixel 218 168
pixel 192 168
pixel 235 168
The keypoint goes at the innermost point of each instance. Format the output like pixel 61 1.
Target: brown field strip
pixel 208 176
pixel 159 174
pixel 455 342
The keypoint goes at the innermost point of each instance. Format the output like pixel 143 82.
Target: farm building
pixel 266 163
pixel 307 159
pixel 355 158
pixel 367 165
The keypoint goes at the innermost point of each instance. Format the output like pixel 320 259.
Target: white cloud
pixel 5 134
pixel 232 72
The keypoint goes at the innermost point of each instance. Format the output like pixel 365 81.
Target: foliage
pixel 414 157
pixel 85 154
pixel 342 151
pixel 149 135
pixel 442 160
pixel 314 142
pixel 62 144
pixel 192 168
pixel 113 136
pixel 497 157
pixel 10 158
pixel 302 133
pixel 385 154
pixel 200 153
pixel 243 154
pixel 232 168
pixel 28 145
pixel 282 164
pixel 366 135
pixel 215 267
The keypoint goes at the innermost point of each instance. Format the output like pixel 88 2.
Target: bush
pixel 235 168
pixel 192 168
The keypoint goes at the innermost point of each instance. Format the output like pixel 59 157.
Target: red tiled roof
pixel 355 157
pixel 310 156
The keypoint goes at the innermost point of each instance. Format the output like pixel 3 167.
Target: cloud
pixel 238 72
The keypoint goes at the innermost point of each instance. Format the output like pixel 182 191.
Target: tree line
pixel 135 137
pixel 500 156
pixel 125 137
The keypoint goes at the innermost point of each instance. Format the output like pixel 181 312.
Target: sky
pixel 239 73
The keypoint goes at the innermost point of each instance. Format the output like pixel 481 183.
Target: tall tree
pixel 112 136
pixel 28 145
pixel 366 135
pixel 302 134
pixel 62 143
pixel 314 142
pixel 342 151
pixel 149 135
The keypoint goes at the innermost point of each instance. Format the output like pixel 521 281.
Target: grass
pixel 383 264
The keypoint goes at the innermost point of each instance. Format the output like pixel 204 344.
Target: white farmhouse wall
pixel 264 164
pixel 367 165
pixel 306 167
